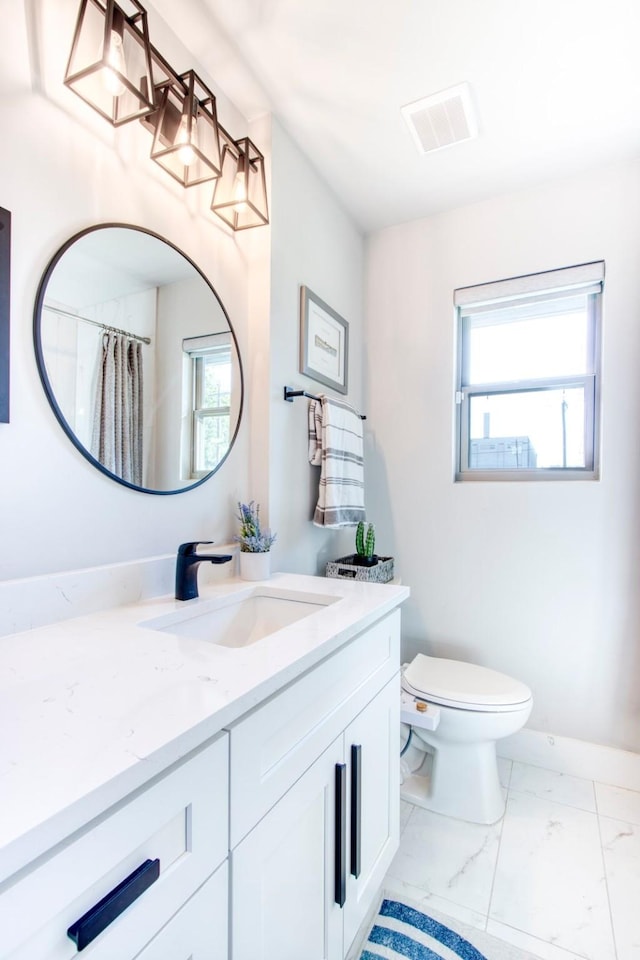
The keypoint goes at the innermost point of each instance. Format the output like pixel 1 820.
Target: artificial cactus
pixel 370 541
pixel 360 539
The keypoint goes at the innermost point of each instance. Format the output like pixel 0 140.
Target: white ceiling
pixel 556 84
pixel 113 262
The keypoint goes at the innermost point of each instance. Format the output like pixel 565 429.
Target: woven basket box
pixel 345 569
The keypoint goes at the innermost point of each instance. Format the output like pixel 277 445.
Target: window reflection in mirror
pixel 208 378
pixel 138 358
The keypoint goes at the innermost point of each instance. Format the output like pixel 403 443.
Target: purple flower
pixel 252 538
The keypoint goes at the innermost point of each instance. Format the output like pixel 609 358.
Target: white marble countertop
pixel 91 708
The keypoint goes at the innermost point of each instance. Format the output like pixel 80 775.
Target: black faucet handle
pixel 189 549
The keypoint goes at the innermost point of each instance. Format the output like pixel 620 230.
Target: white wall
pixel 536 579
pixel 314 243
pixel 63 168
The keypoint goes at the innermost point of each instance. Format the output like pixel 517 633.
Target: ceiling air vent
pixel 442 119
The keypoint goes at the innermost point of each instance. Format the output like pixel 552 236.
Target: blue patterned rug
pixel 401 931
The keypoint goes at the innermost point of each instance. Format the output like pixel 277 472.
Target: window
pixel 527 393
pixel 210 375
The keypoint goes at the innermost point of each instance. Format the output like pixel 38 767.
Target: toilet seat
pixel 464 686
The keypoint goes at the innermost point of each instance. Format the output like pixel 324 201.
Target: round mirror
pixel 138 358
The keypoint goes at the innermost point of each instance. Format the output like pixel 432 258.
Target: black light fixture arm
pixel 173 77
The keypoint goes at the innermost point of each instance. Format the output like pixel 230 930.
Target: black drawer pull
pixel 340 884
pixel 356 809
pixel 94 921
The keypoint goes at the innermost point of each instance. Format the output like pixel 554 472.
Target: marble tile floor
pixel 558 876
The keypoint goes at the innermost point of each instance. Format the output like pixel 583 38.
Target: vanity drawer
pixel 200 930
pixel 277 742
pixel 181 820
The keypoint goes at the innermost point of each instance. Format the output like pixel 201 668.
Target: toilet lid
pixel 455 683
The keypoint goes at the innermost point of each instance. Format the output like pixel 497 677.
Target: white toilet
pixel 471 708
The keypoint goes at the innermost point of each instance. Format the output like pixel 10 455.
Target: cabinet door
pixel 274 744
pixel 284 873
pixel 372 752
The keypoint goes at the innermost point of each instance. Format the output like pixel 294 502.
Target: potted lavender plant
pixel 255 543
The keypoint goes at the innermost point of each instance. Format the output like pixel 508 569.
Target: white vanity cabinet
pixel 269 839
pixel 323 755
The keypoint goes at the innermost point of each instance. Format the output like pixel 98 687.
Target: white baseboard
pixel 592 761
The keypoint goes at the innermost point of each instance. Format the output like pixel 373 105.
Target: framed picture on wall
pixel 324 342
pixel 5 273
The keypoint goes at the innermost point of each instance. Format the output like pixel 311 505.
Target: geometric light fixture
pixel 110 61
pixel 186 141
pixel 116 70
pixel 240 193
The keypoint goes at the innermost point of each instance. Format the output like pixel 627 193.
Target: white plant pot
pixel 255 566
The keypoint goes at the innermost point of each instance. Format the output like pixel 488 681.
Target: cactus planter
pixel 364 564
pixel 353 568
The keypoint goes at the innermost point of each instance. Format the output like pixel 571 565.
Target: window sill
pixel 529 475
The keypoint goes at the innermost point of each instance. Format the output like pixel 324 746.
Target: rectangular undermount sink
pixel 240 620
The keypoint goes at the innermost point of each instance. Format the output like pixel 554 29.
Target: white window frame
pixel 586 279
pixel 197 350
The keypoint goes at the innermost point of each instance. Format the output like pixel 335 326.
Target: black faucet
pixel 187 568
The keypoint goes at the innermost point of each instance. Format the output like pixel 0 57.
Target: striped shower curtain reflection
pixel 117 419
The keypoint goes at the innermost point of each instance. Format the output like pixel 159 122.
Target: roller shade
pixel 568 279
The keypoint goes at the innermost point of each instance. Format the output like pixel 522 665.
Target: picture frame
pixel 5 276
pixel 324 342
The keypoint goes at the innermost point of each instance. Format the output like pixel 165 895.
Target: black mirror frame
pixel 5 312
pixel 46 383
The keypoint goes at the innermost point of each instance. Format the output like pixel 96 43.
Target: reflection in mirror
pixel 138 358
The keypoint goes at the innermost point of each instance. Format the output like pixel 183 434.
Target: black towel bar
pixel 290 393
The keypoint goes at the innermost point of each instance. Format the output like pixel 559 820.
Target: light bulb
pixel 239 192
pixel 186 152
pixel 115 62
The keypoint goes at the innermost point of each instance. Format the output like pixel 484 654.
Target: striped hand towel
pixel 336 446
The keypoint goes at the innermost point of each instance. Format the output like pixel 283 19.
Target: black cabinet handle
pixel 356 808
pixel 87 928
pixel 340 887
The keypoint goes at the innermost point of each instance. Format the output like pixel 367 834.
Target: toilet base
pixel 462 783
